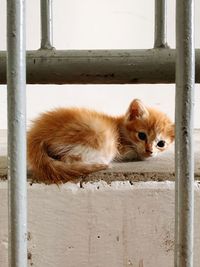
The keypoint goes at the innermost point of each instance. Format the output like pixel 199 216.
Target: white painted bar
pixel 160 24
pixel 46 24
pixel 16 80
pixel 184 155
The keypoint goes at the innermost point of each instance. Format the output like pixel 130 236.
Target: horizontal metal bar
pixel 99 66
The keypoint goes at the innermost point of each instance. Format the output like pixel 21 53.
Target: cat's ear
pixel 137 110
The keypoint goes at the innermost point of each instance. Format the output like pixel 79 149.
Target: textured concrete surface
pixel 159 168
pixel 100 225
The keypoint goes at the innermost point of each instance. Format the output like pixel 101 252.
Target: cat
pixel 66 143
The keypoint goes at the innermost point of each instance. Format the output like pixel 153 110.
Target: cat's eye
pixel 161 143
pixel 142 136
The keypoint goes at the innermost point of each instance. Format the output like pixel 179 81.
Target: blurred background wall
pixel 98 24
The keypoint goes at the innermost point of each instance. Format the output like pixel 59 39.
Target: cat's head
pixel 149 130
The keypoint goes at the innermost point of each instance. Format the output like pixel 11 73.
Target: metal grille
pixel 109 66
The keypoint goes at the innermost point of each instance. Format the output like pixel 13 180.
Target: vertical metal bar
pixel 16 80
pixel 46 24
pixel 184 157
pixel 160 24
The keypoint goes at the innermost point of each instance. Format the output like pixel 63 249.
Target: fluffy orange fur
pixel 67 143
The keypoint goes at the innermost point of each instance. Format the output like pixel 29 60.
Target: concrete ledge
pixel 126 219
pixel 99 225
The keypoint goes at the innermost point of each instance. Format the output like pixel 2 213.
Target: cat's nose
pixel 149 148
pixel 149 151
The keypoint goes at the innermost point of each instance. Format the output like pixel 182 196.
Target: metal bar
pixel 184 156
pixel 46 24
pixel 99 66
pixel 160 24
pixel 16 133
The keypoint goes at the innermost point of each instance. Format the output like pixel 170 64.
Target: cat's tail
pixel 50 170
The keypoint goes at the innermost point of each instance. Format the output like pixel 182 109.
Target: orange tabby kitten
pixel 67 143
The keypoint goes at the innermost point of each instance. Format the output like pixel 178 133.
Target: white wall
pixel 97 24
